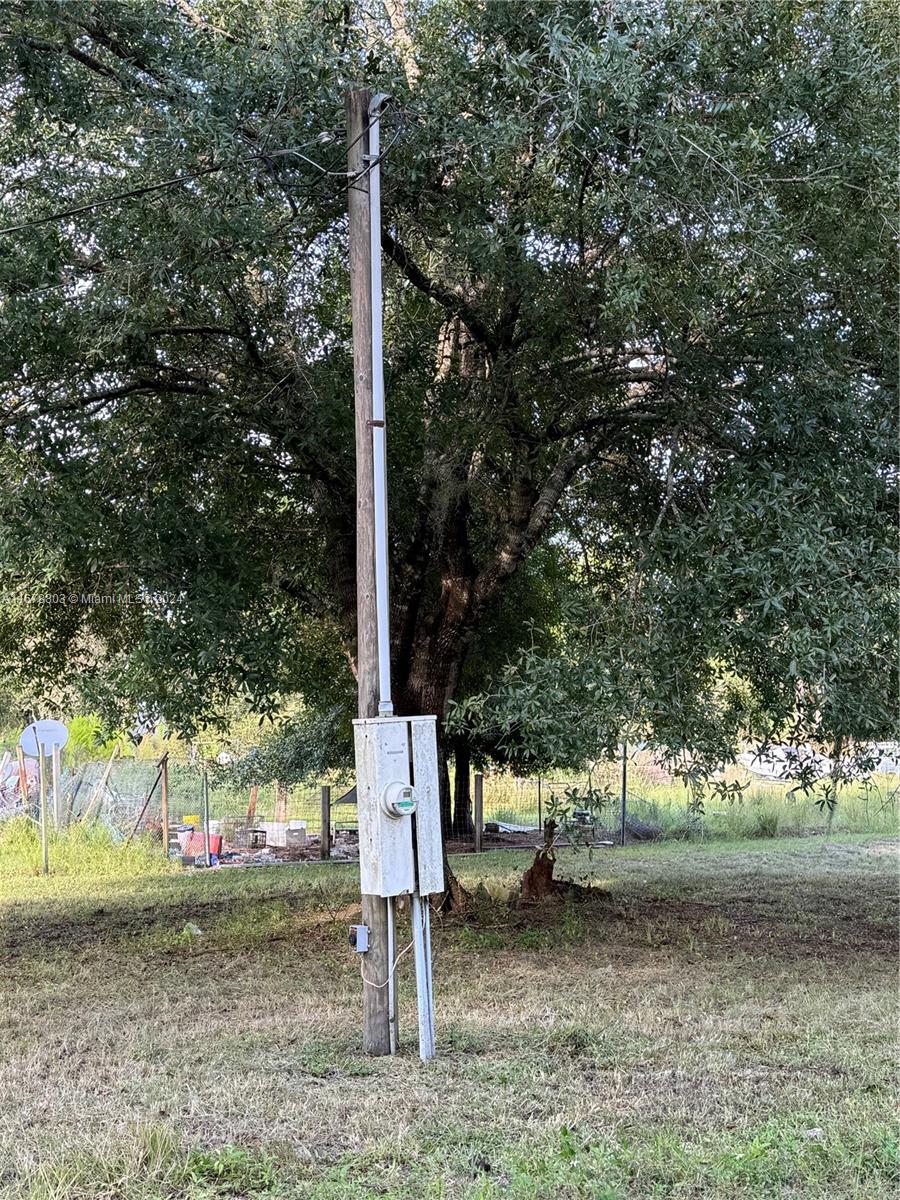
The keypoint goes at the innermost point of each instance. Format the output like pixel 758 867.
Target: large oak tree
pixel 634 252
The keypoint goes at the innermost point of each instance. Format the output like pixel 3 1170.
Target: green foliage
pixel 579 811
pixel 764 615
pixel 300 749
pixel 766 824
pixel 652 248
pixel 89 739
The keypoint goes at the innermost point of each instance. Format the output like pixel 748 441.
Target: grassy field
pixel 716 1021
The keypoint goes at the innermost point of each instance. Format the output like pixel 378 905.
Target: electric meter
pixel 398 800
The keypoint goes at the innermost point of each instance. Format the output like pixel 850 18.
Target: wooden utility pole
pixel 376 968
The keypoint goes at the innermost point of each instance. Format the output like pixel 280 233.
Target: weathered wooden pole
pixel 55 770
pixel 376 1007
pixel 23 776
pixel 42 788
pixel 325 846
pixel 478 805
pixel 164 801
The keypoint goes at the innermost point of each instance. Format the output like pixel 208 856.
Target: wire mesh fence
pixel 273 821
pixel 584 806
pixel 127 796
pixel 587 808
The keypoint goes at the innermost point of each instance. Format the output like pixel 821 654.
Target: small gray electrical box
pixel 359 938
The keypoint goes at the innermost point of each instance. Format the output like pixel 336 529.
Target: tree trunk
pixel 462 790
pixel 426 674
pixel 538 882
pixel 281 801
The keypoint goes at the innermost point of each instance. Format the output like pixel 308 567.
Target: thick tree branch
pixel 523 537
pixel 71 51
pixel 185 330
pixel 452 302
pixel 637 411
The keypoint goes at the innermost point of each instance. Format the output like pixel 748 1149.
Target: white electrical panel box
pixel 398 806
pixel 427 824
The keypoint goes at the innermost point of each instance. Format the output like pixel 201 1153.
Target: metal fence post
pixel 42 789
pixel 57 794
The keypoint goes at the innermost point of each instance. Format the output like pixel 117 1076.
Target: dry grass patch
pixel 714 1022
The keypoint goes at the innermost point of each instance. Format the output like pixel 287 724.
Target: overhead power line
pixel 150 188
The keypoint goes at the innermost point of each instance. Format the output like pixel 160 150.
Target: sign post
pixel 40 740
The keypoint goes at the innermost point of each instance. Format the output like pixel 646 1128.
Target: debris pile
pixel 245 847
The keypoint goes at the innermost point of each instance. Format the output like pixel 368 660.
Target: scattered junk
pixel 507 827
pixel 249 839
pixel 276 833
pixel 296 834
pixel 641 831
pixel 233 843
pixel 129 797
pixel 179 835
pixel 197 843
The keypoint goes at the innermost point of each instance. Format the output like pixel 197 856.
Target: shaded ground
pixel 716 1021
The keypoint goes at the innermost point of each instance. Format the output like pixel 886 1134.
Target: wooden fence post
pixel 23 776
pixel 164 801
pixel 325 848
pixel 98 790
pixel 55 765
pixel 478 815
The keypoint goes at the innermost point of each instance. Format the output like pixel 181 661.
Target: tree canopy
pixel 639 350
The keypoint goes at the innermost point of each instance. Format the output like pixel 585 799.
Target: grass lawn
pixel 716 1022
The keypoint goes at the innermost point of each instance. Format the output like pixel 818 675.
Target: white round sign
pixel 41 737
